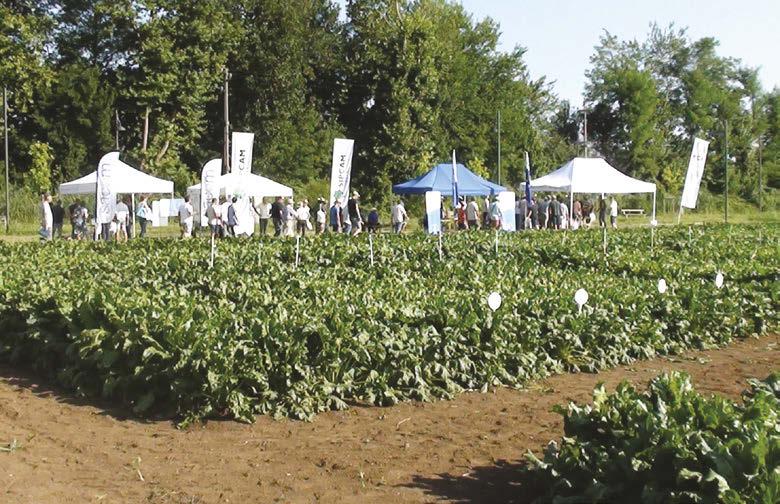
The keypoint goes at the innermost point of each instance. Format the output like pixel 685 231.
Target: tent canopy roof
pixel 125 177
pixel 590 175
pixel 249 185
pixel 439 178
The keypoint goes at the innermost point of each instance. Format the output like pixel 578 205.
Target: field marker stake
pixel 213 252
pixel 440 254
pixel 496 242
pixel 604 240
pixel 297 250
pixel 371 247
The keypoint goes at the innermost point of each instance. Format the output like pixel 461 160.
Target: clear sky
pixel 559 35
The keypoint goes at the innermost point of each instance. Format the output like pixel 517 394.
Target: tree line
pixel 409 80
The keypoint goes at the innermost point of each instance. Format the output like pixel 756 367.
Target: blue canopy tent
pixel 439 178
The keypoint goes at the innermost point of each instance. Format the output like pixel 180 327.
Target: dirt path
pixel 465 450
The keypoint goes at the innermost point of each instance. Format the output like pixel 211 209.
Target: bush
pixel 669 444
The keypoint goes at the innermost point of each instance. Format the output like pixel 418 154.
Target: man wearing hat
pixel 353 210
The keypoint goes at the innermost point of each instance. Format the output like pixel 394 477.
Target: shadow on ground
pixel 502 482
pixel 23 378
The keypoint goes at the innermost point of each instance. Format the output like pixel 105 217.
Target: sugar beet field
pixel 150 326
pixel 107 352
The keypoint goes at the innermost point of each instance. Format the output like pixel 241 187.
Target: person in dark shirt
pixel 534 211
pixel 353 209
pixel 336 216
pixel 277 208
pixel 523 204
pixel 373 221
pixel 58 216
pixel 602 212
pixel 555 213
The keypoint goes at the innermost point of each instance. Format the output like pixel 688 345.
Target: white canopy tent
pixel 591 176
pixel 128 179
pixel 248 185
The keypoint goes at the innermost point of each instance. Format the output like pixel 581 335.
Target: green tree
pixel 39 176
pixel 76 117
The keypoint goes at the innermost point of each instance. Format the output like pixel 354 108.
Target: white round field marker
pixel 494 301
pixel 662 287
pixel 581 298
pixel 719 280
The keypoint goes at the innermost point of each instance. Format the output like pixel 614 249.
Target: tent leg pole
pixel 571 207
pixel 654 206
pixel 132 211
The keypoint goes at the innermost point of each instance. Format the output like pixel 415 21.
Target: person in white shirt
pixel 302 217
pixel 472 214
pixel 290 217
pixel 186 217
pixel 122 217
pixel 321 217
pixel 613 213
pixel 399 217
pixel 264 214
pixel 47 219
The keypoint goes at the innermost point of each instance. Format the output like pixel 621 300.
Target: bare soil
pixel 465 450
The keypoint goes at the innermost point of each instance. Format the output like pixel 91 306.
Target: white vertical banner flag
pixel 209 186
pixel 433 211
pixel 695 171
pixel 105 196
pixel 506 203
pixel 341 171
pixel 241 155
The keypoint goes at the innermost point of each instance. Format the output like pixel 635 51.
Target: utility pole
pixel 7 183
pixel 585 131
pixel 226 141
pixel 726 169
pixel 760 174
pixel 499 147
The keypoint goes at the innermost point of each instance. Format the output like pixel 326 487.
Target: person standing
pixel 186 217
pixel 290 217
pixel 144 214
pixel 232 218
pixel 486 212
pixel 47 219
pixel 523 204
pixel 555 213
pixel 495 214
pixel 58 217
pixel 122 217
pixel 544 212
pixel 460 215
pixel 212 215
pixel 565 221
pixel 399 217
pixel 302 215
pixel 353 209
pixel 336 216
pixel 321 217
pixel 372 223
pixel 602 211
pixel 613 213
pixel 264 214
pixel 277 215
pixel 472 214
pixel 534 214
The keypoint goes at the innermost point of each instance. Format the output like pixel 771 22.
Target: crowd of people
pixel 291 218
